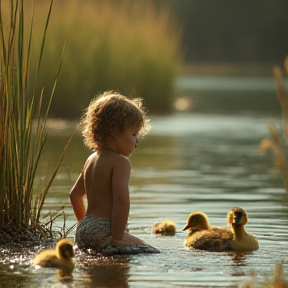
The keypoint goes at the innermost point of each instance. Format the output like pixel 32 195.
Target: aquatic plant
pixel 129 46
pixel 277 280
pixel 23 118
pixel 279 143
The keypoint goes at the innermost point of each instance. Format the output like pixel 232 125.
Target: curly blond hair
pixel 109 114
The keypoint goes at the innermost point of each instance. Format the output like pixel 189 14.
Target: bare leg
pixel 129 239
pixel 133 240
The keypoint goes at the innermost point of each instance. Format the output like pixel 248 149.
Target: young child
pixel 112 124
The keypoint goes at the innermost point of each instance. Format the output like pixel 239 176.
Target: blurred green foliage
pixel 232 31
pixel 131 47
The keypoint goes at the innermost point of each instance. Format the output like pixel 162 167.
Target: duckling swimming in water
pixel 60 257
pixel 197 221
pixel 164 228
pixel 242 241
pixel 203 236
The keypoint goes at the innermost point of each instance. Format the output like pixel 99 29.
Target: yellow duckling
pixel 242 241
pixel 164 228
pixel 203 236
pixel 60 257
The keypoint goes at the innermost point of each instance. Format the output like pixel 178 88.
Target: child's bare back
pixel 97 175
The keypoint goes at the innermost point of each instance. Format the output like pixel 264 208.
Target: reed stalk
pixel 278 144
pixel 23 117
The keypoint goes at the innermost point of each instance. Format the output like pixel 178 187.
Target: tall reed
pixel 128 46
pixel 23 117
pixel 278 145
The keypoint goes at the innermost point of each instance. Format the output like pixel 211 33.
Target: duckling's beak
pixel 186 227
pixel 69 254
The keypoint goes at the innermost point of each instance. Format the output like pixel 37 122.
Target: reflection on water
pixel 102 272
pixel 194 161
pixel 229 94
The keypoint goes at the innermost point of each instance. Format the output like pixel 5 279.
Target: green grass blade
pixel 55 83
pixel 48 185
pixel 43 45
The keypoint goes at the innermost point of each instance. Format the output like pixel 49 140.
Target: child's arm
pixel 77 198
pixel 121 200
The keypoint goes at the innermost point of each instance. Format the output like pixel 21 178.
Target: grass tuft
pixel 23 116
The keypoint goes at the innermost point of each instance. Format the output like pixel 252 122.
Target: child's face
pixel 127 141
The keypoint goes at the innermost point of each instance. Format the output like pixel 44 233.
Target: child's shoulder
pixel 121 158
pixel 91 159
pixel 92 156
pixel 109 157
pixel 121 161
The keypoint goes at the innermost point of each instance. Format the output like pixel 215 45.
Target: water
pixel 206 159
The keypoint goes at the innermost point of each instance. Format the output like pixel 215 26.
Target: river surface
pixel 203 159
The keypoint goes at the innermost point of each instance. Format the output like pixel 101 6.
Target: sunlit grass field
pixel 128 46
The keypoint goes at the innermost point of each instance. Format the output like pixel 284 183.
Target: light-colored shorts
pixel 93 231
